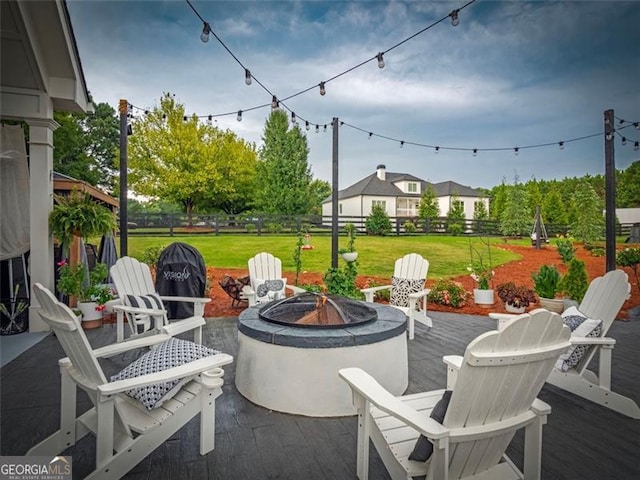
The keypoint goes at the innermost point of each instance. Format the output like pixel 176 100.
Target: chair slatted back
pixel 70 335
pixel 132 277
pixel 602 301
pixel 412 267
pixel 501 375
pixel 264 266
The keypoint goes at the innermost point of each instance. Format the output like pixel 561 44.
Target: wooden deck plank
pixel 581 439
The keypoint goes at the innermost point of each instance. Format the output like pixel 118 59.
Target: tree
pixel 480 210
pixel 319 190
pixel 184 161
pixel 455 216
pixel 86 145
pixel 628 189
pixel 378 222
pixel 429 208
pixel 554 210
pixel 498 200
pixel 283 169
pixel 534 195
pixel 516 218
pixel 589 221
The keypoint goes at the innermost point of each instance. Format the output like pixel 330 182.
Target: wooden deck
pixel 581 440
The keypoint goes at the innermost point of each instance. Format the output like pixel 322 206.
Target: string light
pixel 274 103
pixel 624 140
pixel 636 146
pixel 637 125
pixel 322 89
pixel 561 145
pixel 401 143
pixel 325 128
pixel 455 20
pixel 370 135
pixel 608 136
pixel 206 30
pixel 516 150
pixel 306 125
pixel 184 119
pixel 293 117
pixel 380 60
pixel 475 152
pixel 317 128
pixel 437 149
pixel 247 76
pixel 239 118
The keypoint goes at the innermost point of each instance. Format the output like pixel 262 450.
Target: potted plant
pixel 77 214
pixel 482 274
pixel 90 293
pixel 546 283
pixel 516 298
pixel 349 254
pixel 575 282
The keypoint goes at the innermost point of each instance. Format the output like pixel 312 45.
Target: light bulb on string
pixel 636 146
pixel 437 149
pixel 317 128
pixel 455 20
pixel 325 127
pixel 274 103
pixel 247 76
pixel 206 30
pixel 516 151
pixel 380 60
pixel 164 116
pixel 306 125
pixel 561 145
pixel 608 136
pixel 475 152
pixel 323 91
pixel 370 135
pixel 184 119
pixel 621 121
pixel 239 118
pixel 209 118
pixel 637 125
pixel 293 117
pixel 401 143
pixel 146 112
pixel 624 140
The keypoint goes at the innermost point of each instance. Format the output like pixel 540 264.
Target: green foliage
pixel 250 227
pixel 481 266
pixel 597 252
pixel 575 282
pixel 151 254
pixel 447 292
pixel 516 219
pixel 566 250
pixel 73 282
pixel 588 224
pixel 342 281
pixel 351 232
pixel 190 163
pixel 428 209
pixel 546 282
pixel 498 200
pixel 628 187
pixel 630 257
pixel 78 214
pixel 383 295
pixel 409 227
pixel 554 210
pixel 86 145
pixel 480 210
pixel 319 190
pixel 455 216
pixel 274 228
pixel 516 295
pixel 378 222
pixel 284 171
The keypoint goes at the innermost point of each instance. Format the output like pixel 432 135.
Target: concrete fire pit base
pixel 295 370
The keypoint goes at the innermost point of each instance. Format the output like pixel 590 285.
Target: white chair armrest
pixel 183 325
pixel 169 298
pixel 593 341
pixel 369 292
pixel 117 348
pixel 139 311
pixel 454 363
pixel 188 369
pixel 420 294
pixel 366 386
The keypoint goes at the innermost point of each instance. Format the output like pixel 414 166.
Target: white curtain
pixel 14 193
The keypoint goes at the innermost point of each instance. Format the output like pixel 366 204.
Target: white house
pixel 399 194
pixel 40 73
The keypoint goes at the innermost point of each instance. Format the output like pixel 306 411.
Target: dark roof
pixel 372 185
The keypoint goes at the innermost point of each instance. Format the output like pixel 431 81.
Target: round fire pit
pixel 291 369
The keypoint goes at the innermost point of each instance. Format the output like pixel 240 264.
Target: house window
pixel 412 187
pixel 379 203
pixel 340 208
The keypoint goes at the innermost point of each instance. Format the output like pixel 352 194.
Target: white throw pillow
pixel 172 353
pixel 580 326
pixel 268 290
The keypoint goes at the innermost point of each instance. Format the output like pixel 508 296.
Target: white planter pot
pixel 552 304
pixel 89 312
pixel 349 256
pixel 482 297
pixel 511 309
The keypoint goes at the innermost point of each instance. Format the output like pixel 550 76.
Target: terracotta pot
pixel 91 318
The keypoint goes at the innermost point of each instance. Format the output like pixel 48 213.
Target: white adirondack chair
pixel 411 269
pixel 494 394
pixel 132 277
pixel 264 266
pixel 126 432
pixel 602 301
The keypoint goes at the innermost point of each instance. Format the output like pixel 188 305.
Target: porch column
pixel 41 202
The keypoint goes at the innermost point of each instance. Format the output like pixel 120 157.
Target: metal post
pixel 124 109
pixel 610 191
pixel 538 227
pixel 334 197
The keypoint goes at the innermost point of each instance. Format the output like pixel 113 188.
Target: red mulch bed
pixel 518 271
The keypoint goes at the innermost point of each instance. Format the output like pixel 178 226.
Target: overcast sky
pixel 511 74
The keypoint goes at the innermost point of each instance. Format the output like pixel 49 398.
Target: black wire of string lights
pixel 624 140
pixel 275 101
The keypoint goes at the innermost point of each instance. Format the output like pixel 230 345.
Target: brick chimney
pixel 380 170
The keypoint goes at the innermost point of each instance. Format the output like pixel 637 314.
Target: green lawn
pixel 448 256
